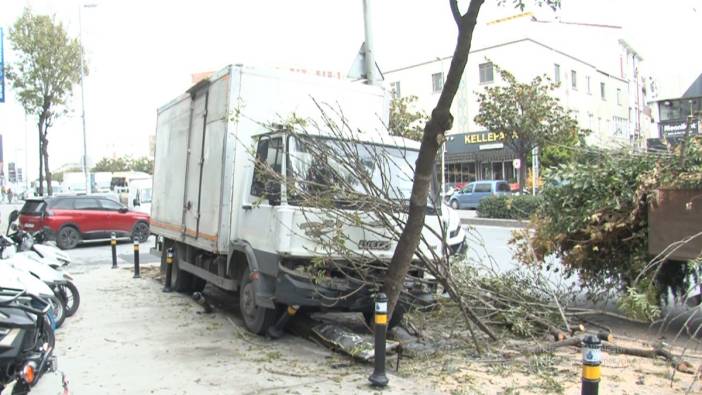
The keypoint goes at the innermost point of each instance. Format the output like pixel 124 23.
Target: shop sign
pixel 673 129
pixel 483 138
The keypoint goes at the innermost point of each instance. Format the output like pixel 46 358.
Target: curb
pixel 504 223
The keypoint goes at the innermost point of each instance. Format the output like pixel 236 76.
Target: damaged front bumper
pixel 342 294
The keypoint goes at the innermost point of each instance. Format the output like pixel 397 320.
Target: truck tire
pixel 197 284
pixel 256 318
pixel 181 281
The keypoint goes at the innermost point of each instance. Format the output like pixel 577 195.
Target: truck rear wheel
pixel 256 318
pixel 181 281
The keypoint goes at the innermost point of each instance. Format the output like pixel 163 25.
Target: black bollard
pixel 276 331
pixel 378 378
pixel 136 259
pixel 592 347
pixel 169 270
pixel 113 243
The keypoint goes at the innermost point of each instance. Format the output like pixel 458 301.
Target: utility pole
pixel 84 163
pixel 369 58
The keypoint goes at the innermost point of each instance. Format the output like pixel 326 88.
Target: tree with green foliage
pixel 58 177
pixel 404 121
pixel 594 218
pixel 47 67
pixel 143 164
pixel 112 164
pixel 433 137
pixel 125 163
pixel 525 116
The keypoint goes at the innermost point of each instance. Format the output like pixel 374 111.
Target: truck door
pixel 193 171
pixel 260 220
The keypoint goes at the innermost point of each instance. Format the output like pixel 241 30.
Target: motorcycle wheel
pixel 59 311
pixel 71 297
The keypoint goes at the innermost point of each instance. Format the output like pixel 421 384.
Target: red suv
pixel 72 219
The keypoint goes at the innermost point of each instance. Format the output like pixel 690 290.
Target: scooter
pixel 47 281
pixel 27 338
pixel 34 255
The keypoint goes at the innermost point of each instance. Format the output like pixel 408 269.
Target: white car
pixel 455 234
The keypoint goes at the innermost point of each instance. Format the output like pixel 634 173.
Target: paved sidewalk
pixel 128 337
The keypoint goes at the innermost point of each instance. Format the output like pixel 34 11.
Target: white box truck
pixel 206 207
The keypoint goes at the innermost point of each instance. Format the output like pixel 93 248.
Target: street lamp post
pixel 84 163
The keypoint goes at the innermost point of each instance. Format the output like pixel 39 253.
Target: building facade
pixel 599 97
pixel 677 117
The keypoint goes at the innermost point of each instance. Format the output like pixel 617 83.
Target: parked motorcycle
pixel 27 245
pixel 26 337
pixel 11 275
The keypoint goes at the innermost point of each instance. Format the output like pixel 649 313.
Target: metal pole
pixel 86 174
pixel 369 57
pixel 169 270
pixel 534 168
pixel 378 378
pixel 276 331
pixel 443 168
pixel 592 359
pixel 113 243
pixel 136 259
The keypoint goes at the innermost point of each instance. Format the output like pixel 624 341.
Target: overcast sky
pixel 141 53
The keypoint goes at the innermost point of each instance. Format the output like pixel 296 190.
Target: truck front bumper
pixel 294 288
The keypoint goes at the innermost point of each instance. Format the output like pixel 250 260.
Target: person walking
pixel 2 189
pixel 9 195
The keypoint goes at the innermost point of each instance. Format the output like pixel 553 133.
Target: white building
pixel 599 90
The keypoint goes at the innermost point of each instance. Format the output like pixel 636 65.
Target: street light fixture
pixel 86 174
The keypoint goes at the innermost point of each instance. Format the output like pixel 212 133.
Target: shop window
pixel 468 172
pixel 509 172
pixel 497 173
pixel 485 171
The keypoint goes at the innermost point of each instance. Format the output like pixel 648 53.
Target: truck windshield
pixel 322 165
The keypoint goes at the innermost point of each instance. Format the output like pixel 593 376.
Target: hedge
pixel 508 207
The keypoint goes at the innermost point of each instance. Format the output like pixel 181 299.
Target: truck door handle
pixel 246 206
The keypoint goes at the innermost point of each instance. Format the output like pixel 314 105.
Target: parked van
pixel 471 195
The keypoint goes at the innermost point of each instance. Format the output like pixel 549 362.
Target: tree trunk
pixel 523 174
pixel 41 157
pixel 47 173
pixel 440 121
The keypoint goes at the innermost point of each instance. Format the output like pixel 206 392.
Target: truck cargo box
pixel 203 144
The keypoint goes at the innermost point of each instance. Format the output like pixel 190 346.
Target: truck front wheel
pixel 256 318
